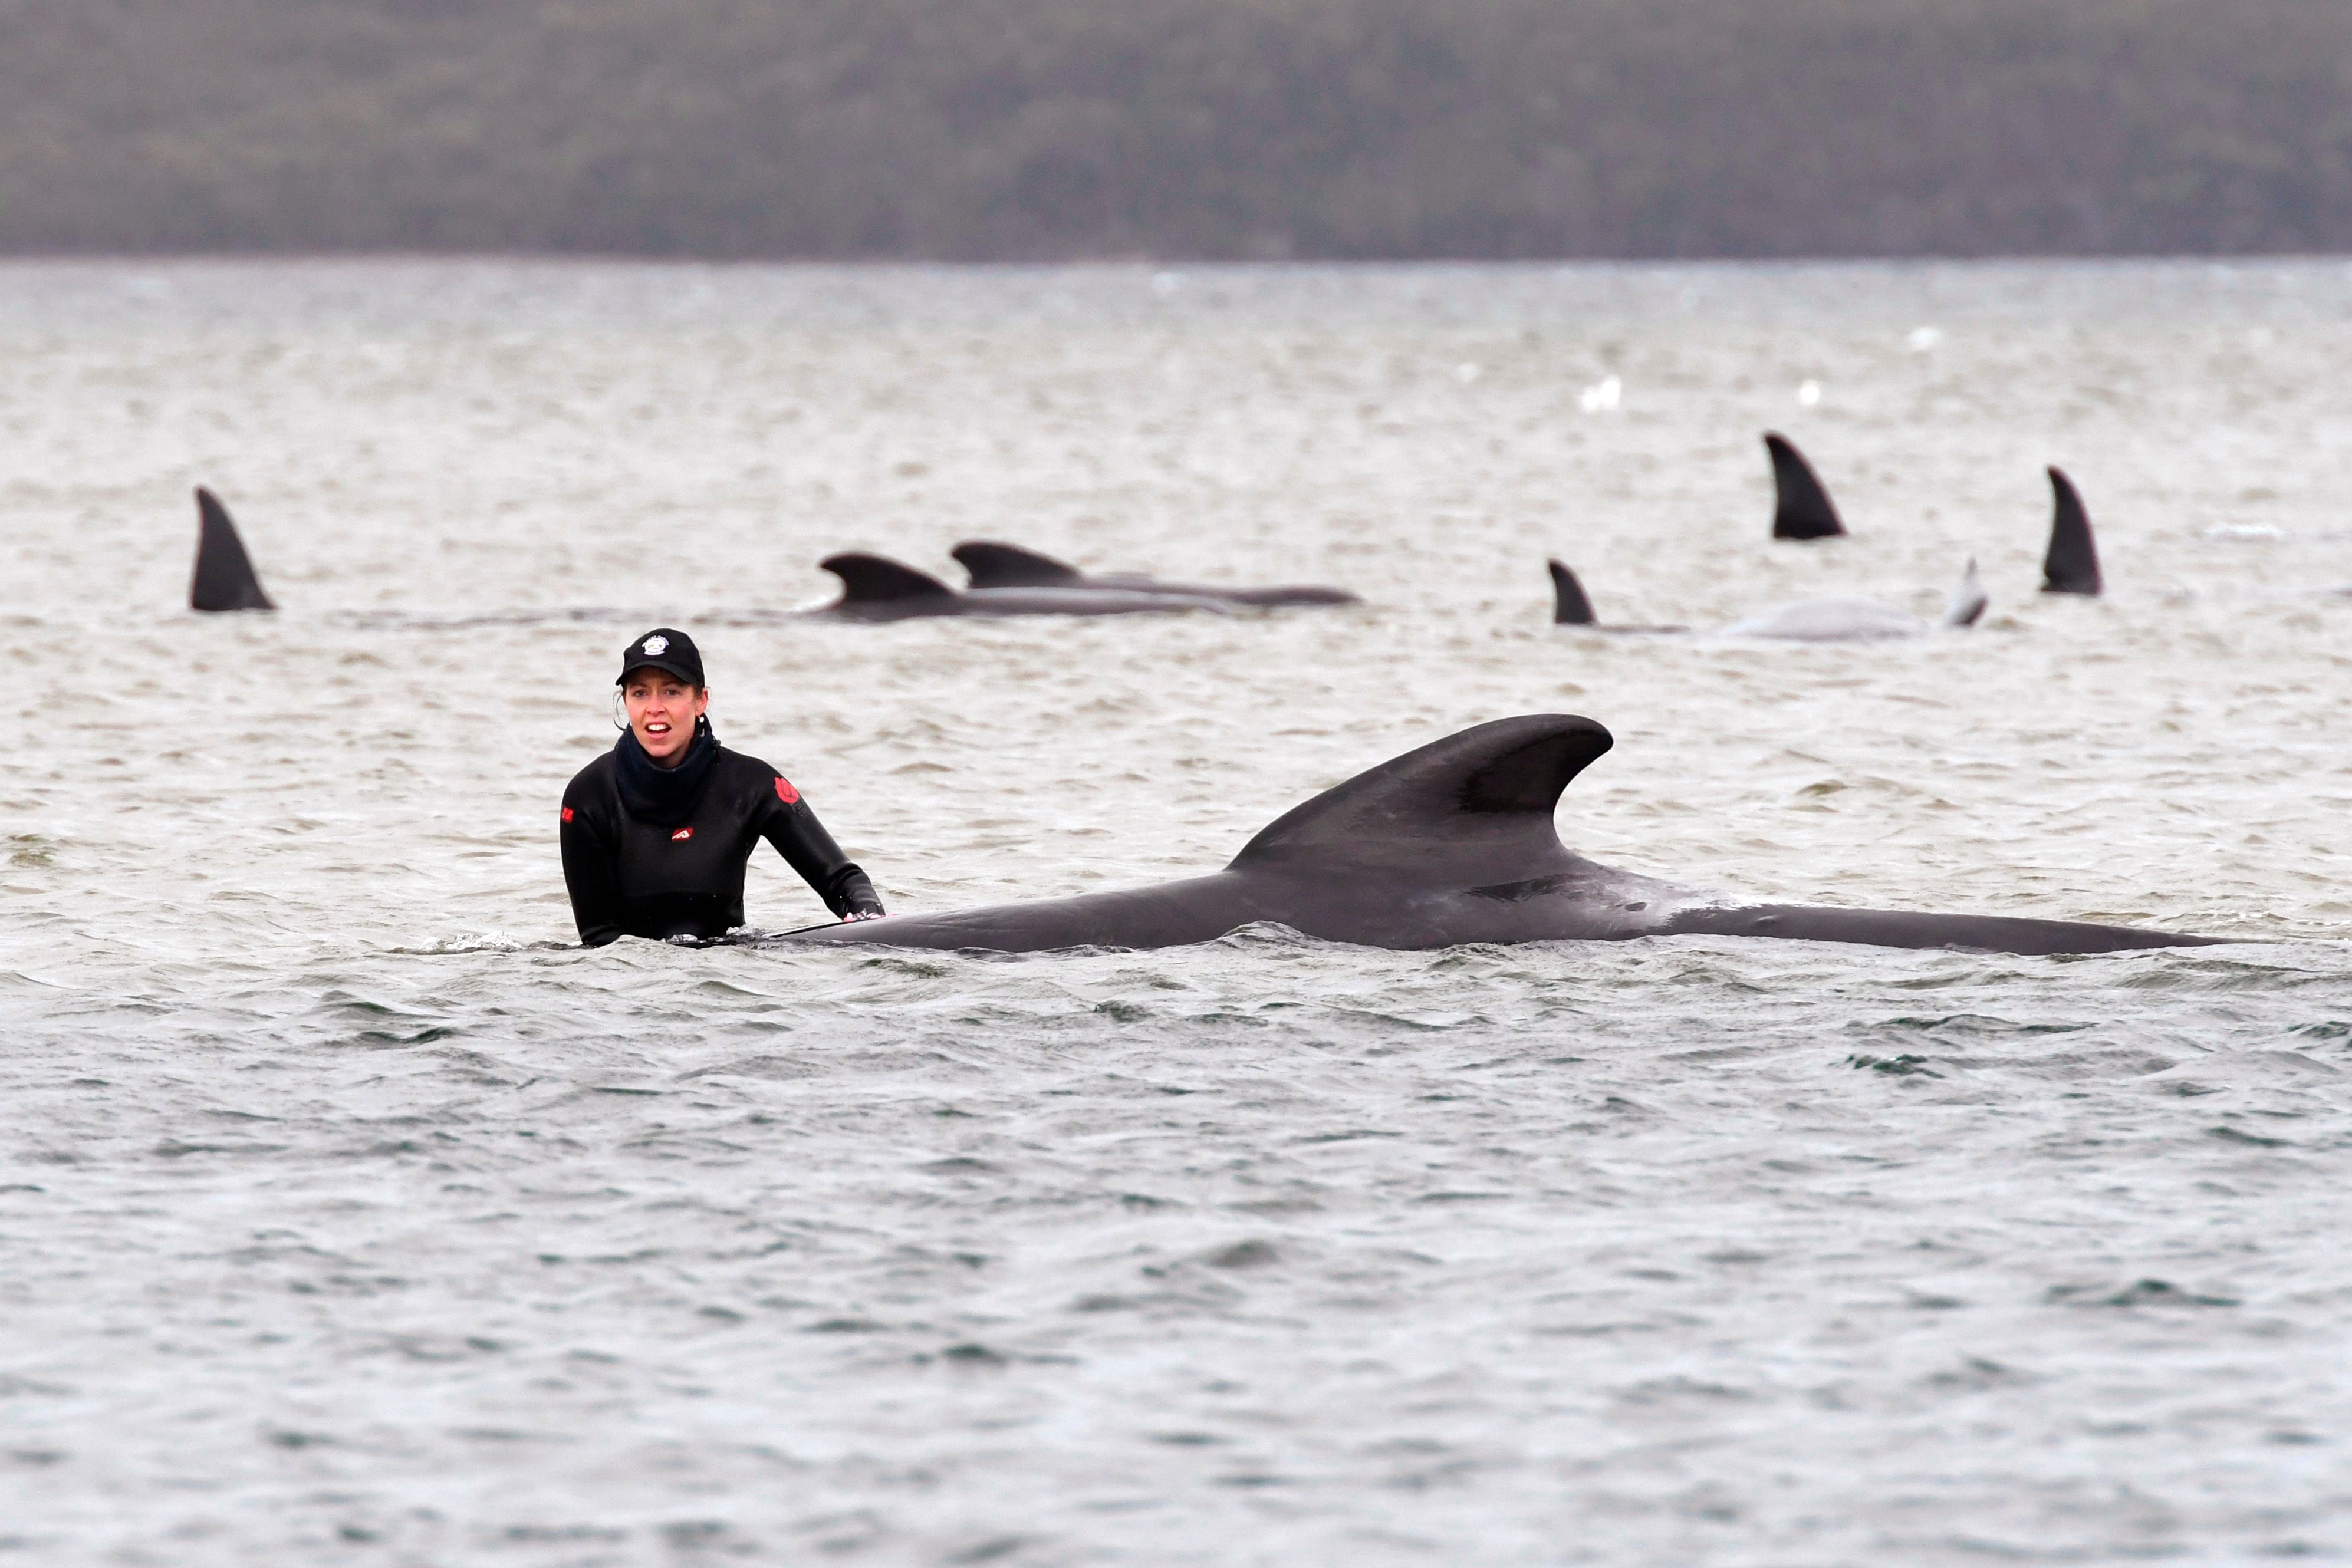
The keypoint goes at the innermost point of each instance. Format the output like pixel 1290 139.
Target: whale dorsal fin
pixel 1968 600
pixel 1801 508
pixel 994 565
pixel 1475 807
pixel 1569 607
pixel 2072 563
pixel 224 578
pixel 874 579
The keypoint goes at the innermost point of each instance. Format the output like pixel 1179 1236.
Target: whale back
pixel 1829 621
pixel 1473 808
pixel 1801 508
pixel 1569 607
pixel 1449 844
pixel 994 565
pixel 225 577
pixel 878 580
pixel 1257 598
pixel 2072 563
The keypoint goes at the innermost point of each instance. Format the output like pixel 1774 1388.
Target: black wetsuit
pixel 659 852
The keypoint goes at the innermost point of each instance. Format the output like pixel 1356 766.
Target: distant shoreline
pixel 1179 132
pixel 1179 266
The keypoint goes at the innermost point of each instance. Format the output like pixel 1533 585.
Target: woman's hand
pixel 862 914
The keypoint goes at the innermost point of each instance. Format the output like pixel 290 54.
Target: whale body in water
pixel 992 565
pixel 1451 843
pixel 224 578
pixel 1845 620
pixel 1829 620
pixel 875 588
pixel 1571 606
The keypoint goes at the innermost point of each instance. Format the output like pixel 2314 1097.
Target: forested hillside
pixel 1044 128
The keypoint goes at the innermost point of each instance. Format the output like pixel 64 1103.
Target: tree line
pixel 988 129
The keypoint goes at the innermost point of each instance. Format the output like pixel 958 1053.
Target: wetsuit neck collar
pixel 665 796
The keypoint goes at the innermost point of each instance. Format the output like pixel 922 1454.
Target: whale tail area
pixel 1569 607
pixel 225 577
pixel 2072 563
pixel 1968 600
pixel 1801 508
pixel 878 580
pixel 994 565
pixel 1473 808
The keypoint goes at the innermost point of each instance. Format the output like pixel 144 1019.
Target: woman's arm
pixel 801 838
pixel 588 877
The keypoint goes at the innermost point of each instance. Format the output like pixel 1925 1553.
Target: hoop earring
pixel 620 714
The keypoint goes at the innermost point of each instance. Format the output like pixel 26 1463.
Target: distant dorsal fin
pixel 994 565
pixel 224 578
pixel 1969 600
pixel 2072 564
pixel 1801 508
pixel 1569 607
pixel 1478 803
pixel 873 579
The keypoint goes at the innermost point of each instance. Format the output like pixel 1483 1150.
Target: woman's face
pixel 662 711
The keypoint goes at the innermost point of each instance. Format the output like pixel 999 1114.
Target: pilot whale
pixel 1845 620
pixel 2071 565
pixel 1571 606
pixel 1450 843
pixel 1800 507
pixel 875 588
pixel 992 565
pixel 224 578
pixel 1832 620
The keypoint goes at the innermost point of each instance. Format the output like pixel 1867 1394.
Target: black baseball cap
pixel 664 648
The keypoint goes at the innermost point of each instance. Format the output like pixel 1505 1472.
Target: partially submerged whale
pixel 992 565
pixel 1451 843
pixel 2071 565
pixel 225 577
pixel 1841 619
pixel 1800 507
pixel 875 588
pixel 1571 607
pixel 1836 619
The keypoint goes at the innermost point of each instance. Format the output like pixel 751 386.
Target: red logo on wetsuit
pixel 680 836
pixel 785 792
pixel 567 813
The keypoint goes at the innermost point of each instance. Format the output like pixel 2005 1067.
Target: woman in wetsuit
pixel 656 830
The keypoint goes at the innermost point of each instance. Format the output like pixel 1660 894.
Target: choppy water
pixel 349 1216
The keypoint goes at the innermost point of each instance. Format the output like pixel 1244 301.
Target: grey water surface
pixel 349 1215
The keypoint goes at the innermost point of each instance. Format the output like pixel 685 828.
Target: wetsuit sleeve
pixel 801 838
pixel 589 877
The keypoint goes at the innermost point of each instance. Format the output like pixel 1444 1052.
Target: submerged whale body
pixel 1830 619
pixel 1806 620
pixel 875 588
pixel 2071 565
pixel 1800 507
pixel 224 578
pixel 992 565
pixel 1839 620
pixel 1451 843
pixel 1571 607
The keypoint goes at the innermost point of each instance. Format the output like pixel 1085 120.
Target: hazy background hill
pixel 1004 129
